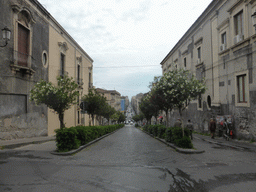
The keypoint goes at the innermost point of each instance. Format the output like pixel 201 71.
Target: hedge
pixel 73 137
pixel 170 134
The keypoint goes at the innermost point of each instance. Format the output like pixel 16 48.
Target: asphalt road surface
pixel 128 160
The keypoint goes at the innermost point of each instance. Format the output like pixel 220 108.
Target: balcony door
pixel 23 45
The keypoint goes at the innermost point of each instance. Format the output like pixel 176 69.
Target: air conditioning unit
pixel 198 61
pixel 222 47
pixel 238 38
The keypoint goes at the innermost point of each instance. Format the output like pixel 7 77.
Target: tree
pixel 121 117
pixel 148 108
pixel 136 118
pixel 179 87
pixel 59 98
pixel 95 103
pixel 115 117
pixel 107 112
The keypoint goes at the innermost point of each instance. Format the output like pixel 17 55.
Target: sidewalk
pixel 234 143
pixel 14 143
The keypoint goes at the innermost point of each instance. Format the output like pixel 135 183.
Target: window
pixel 78 74
pixel 78 117
pixel 45 59
pixel 90 83
pixel 223 38
pixel 242 89
pixel 62 64
pixel 238 23
pixel 199 52
pixel 185 62
pixel 23 45
pixel 199 101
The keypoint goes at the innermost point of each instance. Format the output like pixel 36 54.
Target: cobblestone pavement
pixel 129 160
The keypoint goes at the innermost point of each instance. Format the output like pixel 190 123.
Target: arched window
pixel 23 30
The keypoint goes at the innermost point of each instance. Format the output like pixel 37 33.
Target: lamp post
pixel 6 35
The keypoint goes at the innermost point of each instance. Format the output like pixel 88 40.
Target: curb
pixel 82 147
pixel 180 150
pixel 222 144
pixel 16 145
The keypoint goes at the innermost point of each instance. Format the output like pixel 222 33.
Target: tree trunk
pixel 92 120
pixel 182 126
pixel 166 112
pixel 61 119
pixel 89 120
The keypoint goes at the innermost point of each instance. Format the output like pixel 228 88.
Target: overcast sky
pixel 127 39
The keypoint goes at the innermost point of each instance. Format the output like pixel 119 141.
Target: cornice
pixel 202 18
pixel 225 22
pixel 236 4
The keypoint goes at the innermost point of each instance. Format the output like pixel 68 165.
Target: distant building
pixel 124 103
pixel 113 98
pixel 135 102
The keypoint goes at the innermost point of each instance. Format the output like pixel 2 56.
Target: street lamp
pixel 6 35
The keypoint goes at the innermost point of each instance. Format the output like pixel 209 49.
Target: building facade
pixel 39 48
pixel 219 48
pixel 135 103
pixel 113 98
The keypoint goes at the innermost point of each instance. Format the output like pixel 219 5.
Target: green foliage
pixel 174 135
pixel 107 111
pixel 121 117
pixel 138 117
pixel 136 125
pixel 161 131
pixel 168 135
pixel 148 108
pixel 71 138
pixel 184 142
pixel 155 130
pixel 95 103
pixel 179 87
pixel 66 139
pixel 59 98
pixel 177 133
pixel 206 134
pixel 145 128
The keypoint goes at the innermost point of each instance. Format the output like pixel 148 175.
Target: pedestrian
pixel 212 127
pixel 177 123
pixel 190 127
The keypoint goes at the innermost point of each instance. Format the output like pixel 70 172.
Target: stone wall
pixel 19 117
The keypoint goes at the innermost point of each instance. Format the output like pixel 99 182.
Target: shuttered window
pixel 23 45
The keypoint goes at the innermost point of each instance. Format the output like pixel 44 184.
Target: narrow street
pixel 128 160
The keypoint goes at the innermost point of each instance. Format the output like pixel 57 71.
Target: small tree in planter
pixel 59 98
pixel 179 87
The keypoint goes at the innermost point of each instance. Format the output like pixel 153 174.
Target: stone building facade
pixel 113 98
pixel 220 48
pixel 135 103
pixel 28 58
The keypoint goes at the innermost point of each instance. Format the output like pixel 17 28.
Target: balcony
pixel 21 62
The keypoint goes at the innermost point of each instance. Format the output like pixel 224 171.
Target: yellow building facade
pixel 66 57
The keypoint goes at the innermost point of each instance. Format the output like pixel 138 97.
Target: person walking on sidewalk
pixel 212 127
pixel 190 127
